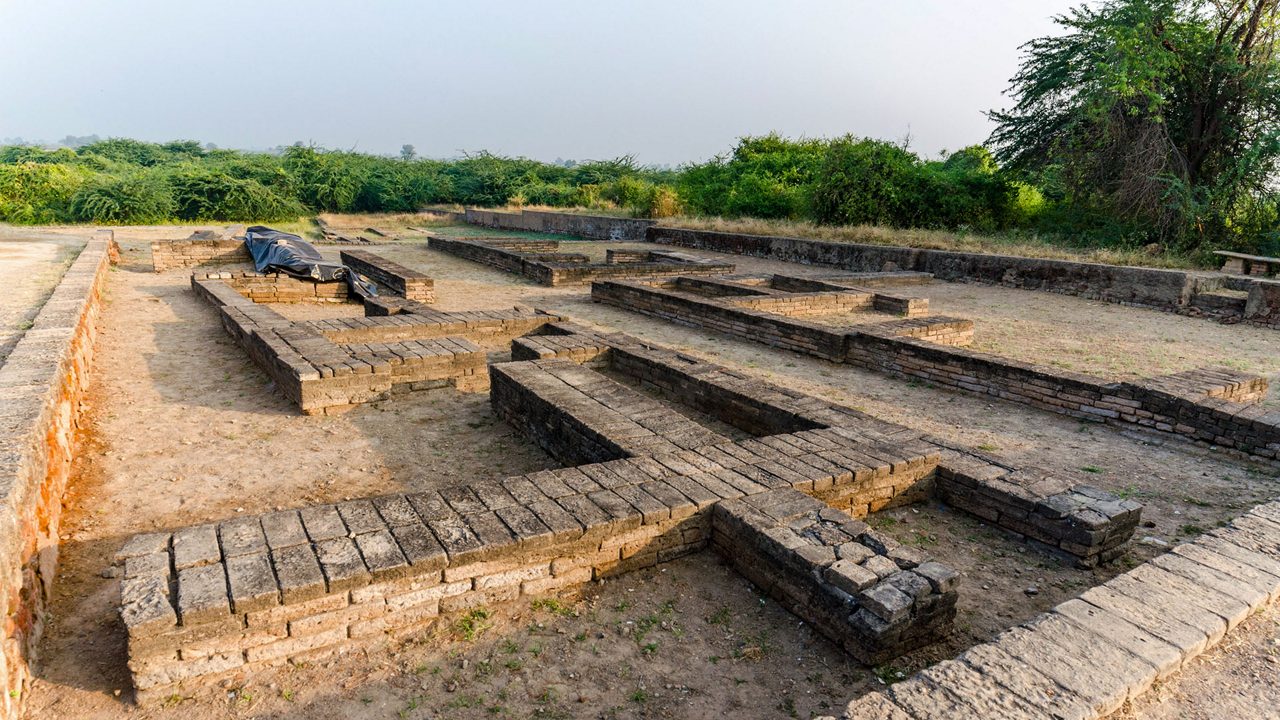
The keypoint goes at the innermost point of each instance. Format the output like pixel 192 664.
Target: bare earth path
pixel 186 429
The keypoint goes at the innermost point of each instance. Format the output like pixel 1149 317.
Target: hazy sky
pixel 668 81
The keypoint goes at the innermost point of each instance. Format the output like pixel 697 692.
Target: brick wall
pixel 591 227
pixel 1164 289
pixel 42 383
pixel 281 288
pixel 409 284
pixel 174 254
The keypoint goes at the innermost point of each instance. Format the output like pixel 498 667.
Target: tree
pixel 407 153
pixel 1164 114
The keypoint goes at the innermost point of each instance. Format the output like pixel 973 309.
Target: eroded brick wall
pixel 42 383
pixel 175 254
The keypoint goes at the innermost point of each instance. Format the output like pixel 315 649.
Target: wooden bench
pixel 1242 264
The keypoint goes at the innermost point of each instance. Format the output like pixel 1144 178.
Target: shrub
pixel 865 182
pixel 136 198
pixel 32 193
pixel 202 194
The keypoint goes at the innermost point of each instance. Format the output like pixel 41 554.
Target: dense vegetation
pixel 1146 121
pixel 122 181
pixel 1157 119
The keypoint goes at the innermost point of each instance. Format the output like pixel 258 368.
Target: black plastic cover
pixel 282 252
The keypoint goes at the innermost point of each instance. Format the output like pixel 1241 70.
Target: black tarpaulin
pixel 282 252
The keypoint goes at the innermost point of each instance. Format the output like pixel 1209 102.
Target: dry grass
pixel 1026 246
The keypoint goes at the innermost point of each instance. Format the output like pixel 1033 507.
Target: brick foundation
pixel 540 261
pixel 176 254
pixel 1208 405
pixel 42 384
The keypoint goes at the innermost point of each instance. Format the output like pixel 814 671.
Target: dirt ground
pixel 185 429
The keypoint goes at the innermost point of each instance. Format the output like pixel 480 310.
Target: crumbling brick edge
pixel 42 384
pixel 1087 656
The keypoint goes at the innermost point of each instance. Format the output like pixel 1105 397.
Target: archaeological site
pixel 535 464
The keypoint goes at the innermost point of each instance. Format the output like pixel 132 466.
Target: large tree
pixel 1164 114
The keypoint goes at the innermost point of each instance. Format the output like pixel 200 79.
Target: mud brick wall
pixel 174 254
pixel 213 601
pixel 580 416
pixel 591 227
pixel 281 288
pixel 422 322
pixel 1206 416
pixel 1262 306
pixel 42 385
pixel 555 269
pixel 324 374
pixel 578 274
pixel 1164 289
pixel 1084 522
pixel 1086 657
pixel 821 340
pixel 409 284
pixel 807 303
pixel 864 591
pixel 625 256
pixel 476 252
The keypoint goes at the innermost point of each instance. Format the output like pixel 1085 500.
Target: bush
pixel 202 194
pixel 866 182
pixel 767 177
pixel 136 198
pixel 32 193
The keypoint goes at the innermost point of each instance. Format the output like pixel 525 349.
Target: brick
pixel 202 594
pixel 298 572
pixel 252 582
pixel 341 563
pixel 195 546
pixel 382 555
pixel 283 529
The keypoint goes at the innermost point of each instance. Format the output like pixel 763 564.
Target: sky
pixel 669 82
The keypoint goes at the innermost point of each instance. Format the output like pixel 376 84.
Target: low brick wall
pixel 1206 406
pixel 42 384
pixel 580 416
pixel 1089 655
pixel 281 288
pixel 873 597
pixel 332 366
pixel 537 261
pixel 176 254
pixel 409 284
pixel 591 227
pixel 1163 289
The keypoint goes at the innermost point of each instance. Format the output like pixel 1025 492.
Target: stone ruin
pixel 665 455
pixel 828 318
pixel 776 481
pixel 542 261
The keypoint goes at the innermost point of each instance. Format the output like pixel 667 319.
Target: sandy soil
pixel 1240 678
pixel 31 269
pixel 185 429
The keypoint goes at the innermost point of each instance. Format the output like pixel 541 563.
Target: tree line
pixel 1142 121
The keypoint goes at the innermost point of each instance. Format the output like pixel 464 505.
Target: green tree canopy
pixel 1164 114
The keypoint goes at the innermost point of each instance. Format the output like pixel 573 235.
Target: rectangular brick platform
pixel 331 366
pixel 408 284
pixel 194 251
pixel 540 261
pixel 1211 406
